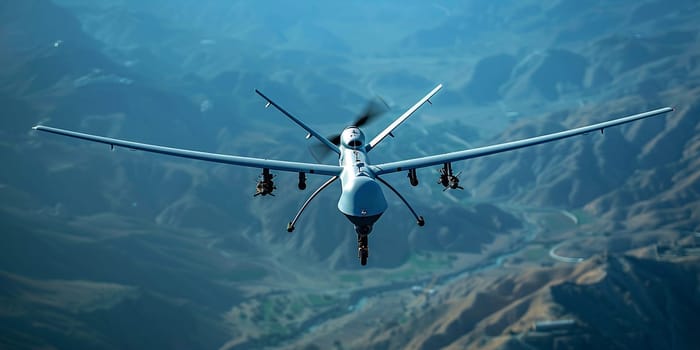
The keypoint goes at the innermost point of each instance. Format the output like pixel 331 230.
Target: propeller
pixel 375 107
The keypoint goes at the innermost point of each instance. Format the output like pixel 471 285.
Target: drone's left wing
pixel 508 146
pixel 209 157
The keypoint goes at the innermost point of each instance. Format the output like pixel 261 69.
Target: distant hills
pixel 120 249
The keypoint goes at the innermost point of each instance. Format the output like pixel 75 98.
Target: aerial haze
pixel 589 242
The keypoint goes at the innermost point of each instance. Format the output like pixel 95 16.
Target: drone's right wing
pixel 380 169
pixel 209 157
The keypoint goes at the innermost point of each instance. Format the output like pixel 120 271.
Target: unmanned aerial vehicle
pixel 361 200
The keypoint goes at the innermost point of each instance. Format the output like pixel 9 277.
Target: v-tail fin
pixel 311 131
pixel 386 132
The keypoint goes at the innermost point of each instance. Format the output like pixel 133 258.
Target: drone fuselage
pixel 362 200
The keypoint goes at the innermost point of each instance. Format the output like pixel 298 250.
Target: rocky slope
pixel 92 236
pixel 616 303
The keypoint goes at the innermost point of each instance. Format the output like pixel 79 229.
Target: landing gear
pixel 290 225
pixel 447 179
pixel 265 185
pixel 362 249
pixel 419 219
pixel 362 246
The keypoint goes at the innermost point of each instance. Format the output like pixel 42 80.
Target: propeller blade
pixel 335 139
pixel 320 152
pixel 374 108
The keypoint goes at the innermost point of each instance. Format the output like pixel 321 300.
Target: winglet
pixel 313 132
pixel 386 132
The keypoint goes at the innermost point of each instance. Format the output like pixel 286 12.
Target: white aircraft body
pixel 362 200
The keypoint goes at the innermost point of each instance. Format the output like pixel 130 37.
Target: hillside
pixel 120 249
pixel 616 303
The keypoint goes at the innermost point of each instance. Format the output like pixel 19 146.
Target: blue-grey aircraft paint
pixel 361 196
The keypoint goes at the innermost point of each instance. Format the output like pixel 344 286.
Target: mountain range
pixel 120 249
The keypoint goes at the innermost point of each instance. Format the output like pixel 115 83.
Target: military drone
pixel 361 200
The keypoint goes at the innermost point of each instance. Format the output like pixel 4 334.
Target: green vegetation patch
pixel 556 221
pixel 430 261
pixel 421 263
pixel 351 278
pixel 247 273
pixel 281 315
pixel 535 253
pixel 316 300
pixel 583 217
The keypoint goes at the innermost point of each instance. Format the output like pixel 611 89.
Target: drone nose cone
pixel 361 197
pixel 352 137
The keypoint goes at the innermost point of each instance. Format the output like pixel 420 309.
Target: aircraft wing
pixel 209 157
pixel 385 168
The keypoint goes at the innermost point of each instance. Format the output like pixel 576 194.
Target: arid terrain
pixel 591 242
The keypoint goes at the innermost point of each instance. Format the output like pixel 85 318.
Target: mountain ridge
pixel 176 238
